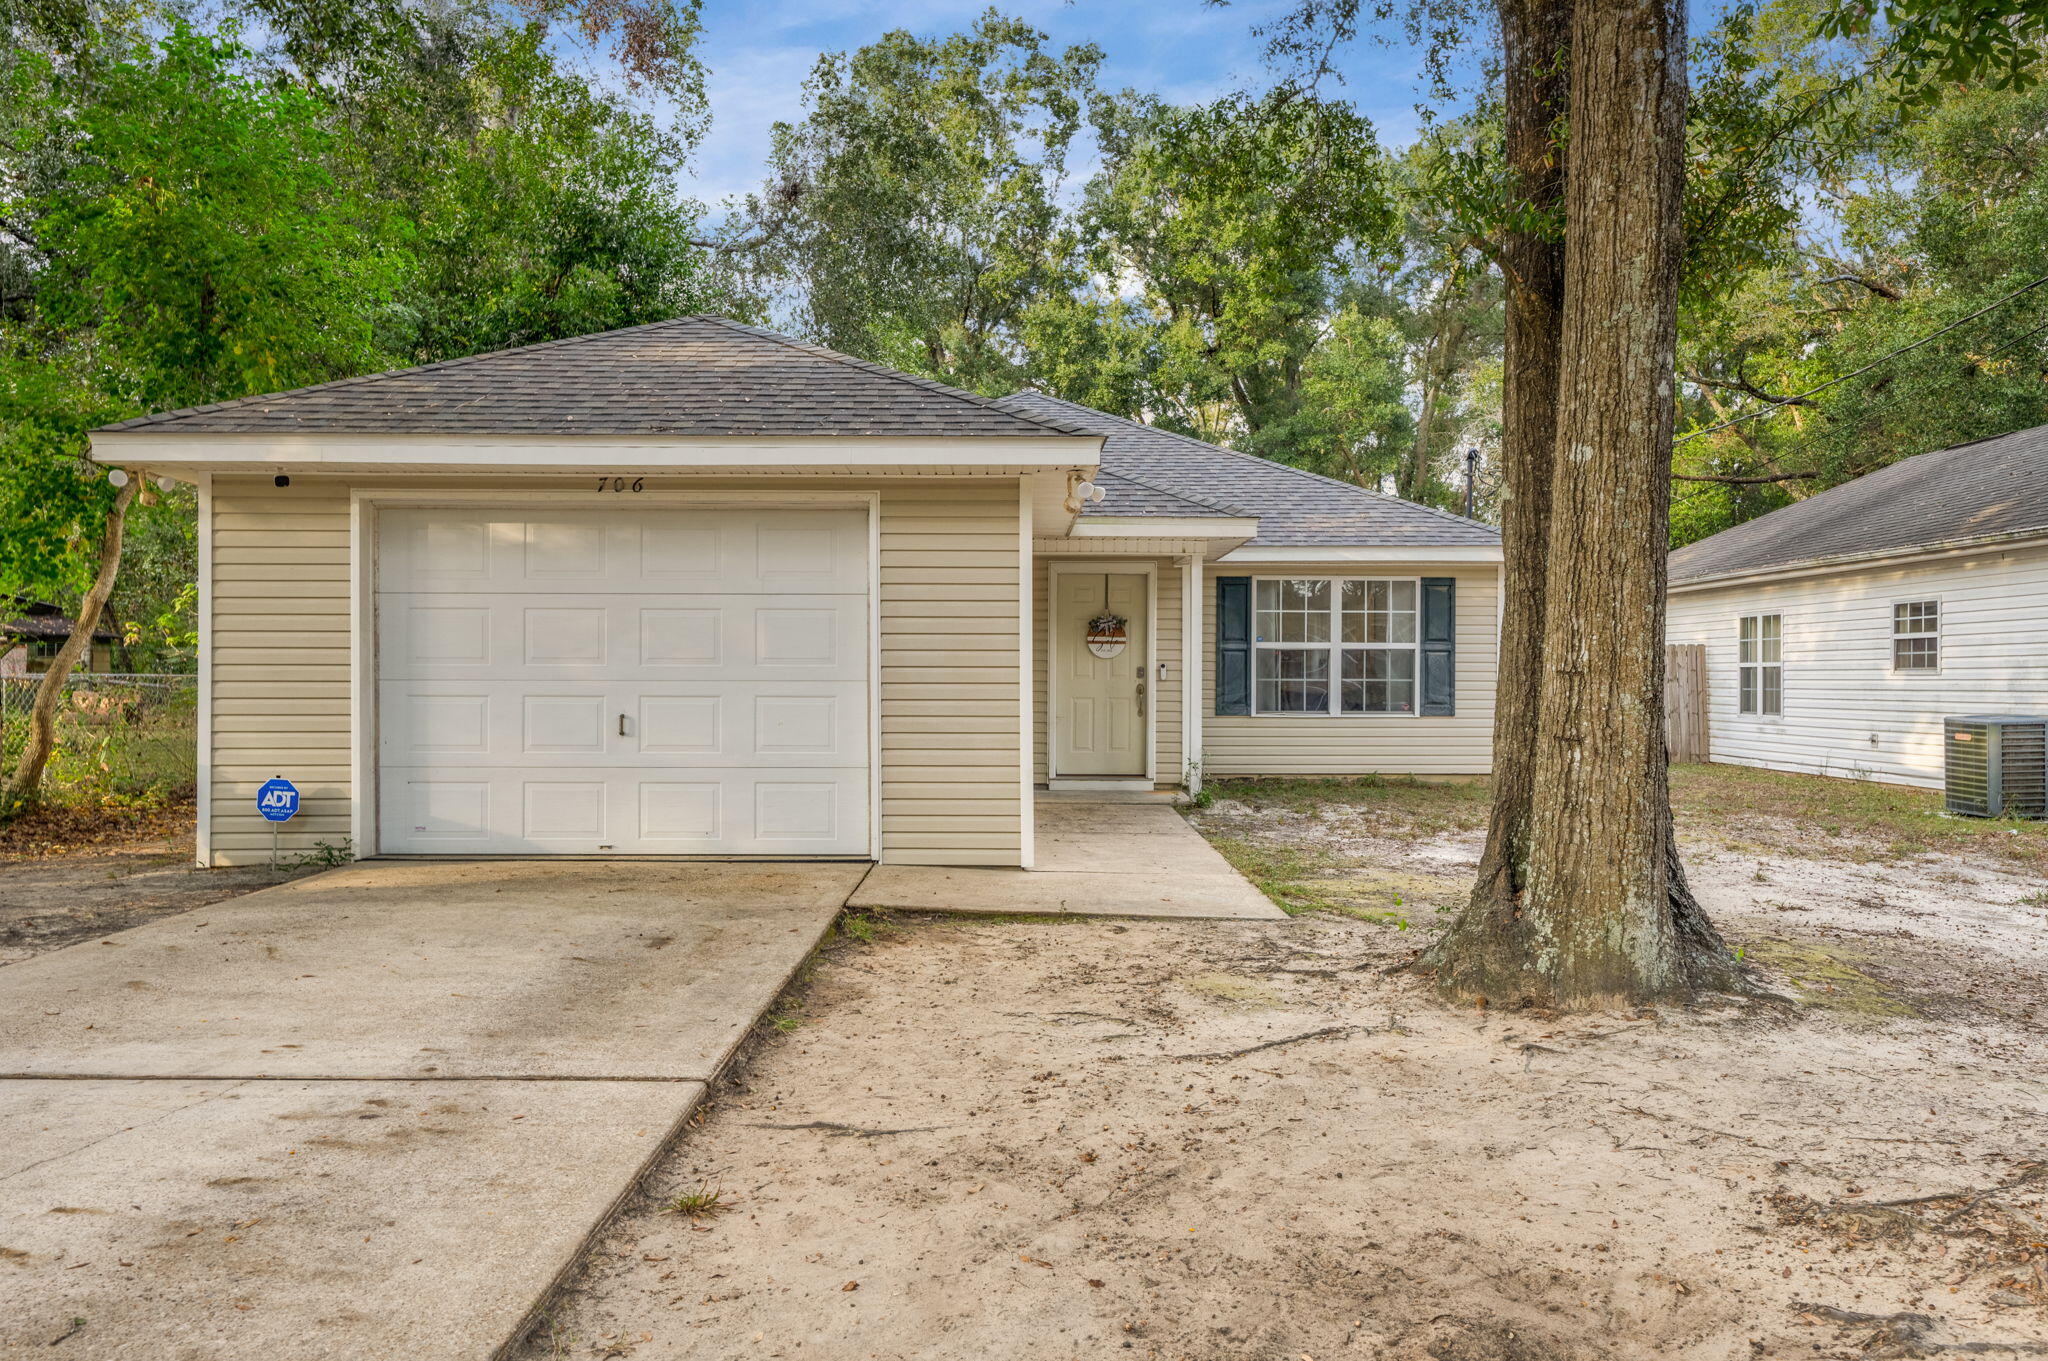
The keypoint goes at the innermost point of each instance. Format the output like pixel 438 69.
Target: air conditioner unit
pixel 1997 765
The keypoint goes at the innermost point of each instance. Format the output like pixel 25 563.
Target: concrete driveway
pixel 373 1113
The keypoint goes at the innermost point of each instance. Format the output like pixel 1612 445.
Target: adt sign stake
pixel 277 801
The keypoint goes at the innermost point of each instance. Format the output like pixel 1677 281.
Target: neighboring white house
pixel 1839 631
pixel 697 588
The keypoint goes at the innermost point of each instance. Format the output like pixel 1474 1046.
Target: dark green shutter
pixel 1439 645
pixel 1233 645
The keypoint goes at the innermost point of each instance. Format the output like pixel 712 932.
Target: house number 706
pixel 621 484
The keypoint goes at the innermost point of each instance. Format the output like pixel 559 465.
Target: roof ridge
pixel 884 371
pixel 165 417
pixel 1177 495
pixel 1268 462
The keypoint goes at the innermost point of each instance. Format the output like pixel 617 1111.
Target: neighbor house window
pixel 1759 657
pixel 1916 635
pixel 1334 646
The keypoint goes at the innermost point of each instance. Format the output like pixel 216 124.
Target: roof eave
pixel 1363 553
pixel 159 446
pixel 1852 561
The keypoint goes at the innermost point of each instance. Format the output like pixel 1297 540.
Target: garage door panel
pixel 472 635
pixel 667 724
pixel 603 550
pixel 622 680
pixel 604 810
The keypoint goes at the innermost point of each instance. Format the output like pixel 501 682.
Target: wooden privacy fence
pixel 1685 701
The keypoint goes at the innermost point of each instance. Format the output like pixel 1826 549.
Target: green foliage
pixel 1988 44
pixel 913 214
pixel 186 242
pixel 1921 213
pixel 540 206
pixel 1236 225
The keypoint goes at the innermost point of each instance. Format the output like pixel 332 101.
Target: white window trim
pixel 1760 666
pixel 1935 634
pixel 1335 648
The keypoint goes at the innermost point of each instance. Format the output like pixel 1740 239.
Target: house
pixel 1840 630
pixel 698 588
pixel 31 641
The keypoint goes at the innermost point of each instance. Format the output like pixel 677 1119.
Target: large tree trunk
pixel 24 784
pixel 1582 901
pixel 1483 944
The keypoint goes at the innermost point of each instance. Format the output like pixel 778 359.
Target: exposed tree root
pixel 1273 1044
pixel 838 1131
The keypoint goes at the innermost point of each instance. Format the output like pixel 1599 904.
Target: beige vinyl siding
pixel 949 610
pixel 1846 712
pixel 280 662
pixel 951 602
pixel 1164 693
pixel 1361 744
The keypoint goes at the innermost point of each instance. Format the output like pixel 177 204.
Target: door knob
pixel 622 725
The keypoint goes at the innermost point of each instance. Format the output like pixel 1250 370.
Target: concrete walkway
pixel 374 1113
pixel 1095 857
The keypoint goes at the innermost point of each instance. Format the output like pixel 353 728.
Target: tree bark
pixel 24 786
pixel 1482 943
pixel 1582 900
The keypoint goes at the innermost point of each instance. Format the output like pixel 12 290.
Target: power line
pixel 1883 358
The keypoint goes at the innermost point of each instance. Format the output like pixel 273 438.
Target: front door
pixel 1100 628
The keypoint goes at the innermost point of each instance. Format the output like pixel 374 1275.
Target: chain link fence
pixel 117 736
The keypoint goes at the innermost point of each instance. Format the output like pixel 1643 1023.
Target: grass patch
pixel 1301 881
pixel 1870 820
pixel 1827 977
pixel 1740 807
pixel 866 925
pixel 703 1201
pixel 1466 800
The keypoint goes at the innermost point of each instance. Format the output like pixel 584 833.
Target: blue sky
pixel 760 51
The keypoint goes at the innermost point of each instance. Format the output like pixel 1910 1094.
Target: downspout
pixel 1193 617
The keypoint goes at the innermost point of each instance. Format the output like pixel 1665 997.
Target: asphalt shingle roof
pixel 1127 495
pixel 1989 489
pixel 1295 508
pixel 693 376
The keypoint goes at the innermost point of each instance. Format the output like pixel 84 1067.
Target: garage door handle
pixel 622 725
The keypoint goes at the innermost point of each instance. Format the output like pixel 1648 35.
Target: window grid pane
pixel 1916 616
pixel 1922 653
pixel 1293 680
pixel 1295 611
pixel 1378 680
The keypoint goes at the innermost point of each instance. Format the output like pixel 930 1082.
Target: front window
pixel 1334 646
pixel 1916 635
pixel 1760 665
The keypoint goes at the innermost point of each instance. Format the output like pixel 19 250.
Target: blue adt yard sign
pixel 278 800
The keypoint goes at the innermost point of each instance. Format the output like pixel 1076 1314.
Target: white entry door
pixel 1100 714
pixel 622 681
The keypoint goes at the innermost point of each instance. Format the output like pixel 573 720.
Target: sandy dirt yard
pixel 1088 1138
pixel 68 875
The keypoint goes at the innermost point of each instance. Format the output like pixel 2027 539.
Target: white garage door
pixel 619 680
